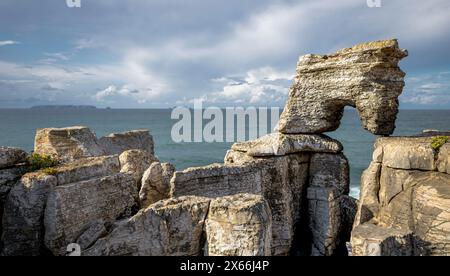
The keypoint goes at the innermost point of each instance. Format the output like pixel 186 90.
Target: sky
pixel 163 53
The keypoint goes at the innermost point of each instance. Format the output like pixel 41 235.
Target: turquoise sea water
pixel 17 128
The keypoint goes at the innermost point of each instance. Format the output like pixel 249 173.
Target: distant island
pixel 64 107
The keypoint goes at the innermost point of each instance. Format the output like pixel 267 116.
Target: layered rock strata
pixel 365 76
pixel 405 202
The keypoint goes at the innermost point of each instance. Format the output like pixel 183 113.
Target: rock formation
pixel 405 200
pixel 239 225
pixel 365 76
pixel 71 143
pixel 284 193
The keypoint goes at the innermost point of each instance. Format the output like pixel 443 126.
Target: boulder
pixel 431 214
pixel 372 240
pixel 405 202
pixel 239 225
pixel 278 144
pixel 71 208
pixel 8 178
pixel 443 162
pixel 11 156
pixel 172 227
pixel 156 183
pixel 365 76
pixel 117 143
pixel 67 144
pixel 135 163
pixel 87 168
pixel 280 180
pixel 328 184
pixel 23 215
pixel 408 153
pixel 369 203
pixel 95 231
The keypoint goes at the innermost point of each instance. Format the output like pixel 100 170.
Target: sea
pixel 18 126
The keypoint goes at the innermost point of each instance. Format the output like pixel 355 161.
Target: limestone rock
pixel 365 76
pixel 405 202
pixel 278 144
pixel 443 162
pixel 431 214
pixel 409 153
pixel 372 240
pixel 8 177
pixel 67 144
pixel 87 168
pixel 328 183
pixel 11 156
pixel 24 213
pixel 239 225
pixel 93 232
pixel 71 208
pixel 117 143
pixel 281 180
pixel 370 186
pixel 135 163
pixel 171 227
pixel 156 183
pixel 216 180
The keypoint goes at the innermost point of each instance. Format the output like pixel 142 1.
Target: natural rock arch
pixel 365 76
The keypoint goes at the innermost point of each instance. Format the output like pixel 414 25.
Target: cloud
pixel 259 86
pixel 427 89
pixel 233 52
pixel 113 93
pixel 8 42
pixel 57 56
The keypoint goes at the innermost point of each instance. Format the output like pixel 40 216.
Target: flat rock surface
pixel 278 144
pixel 71 208
pixel 11 156
pixel 172 227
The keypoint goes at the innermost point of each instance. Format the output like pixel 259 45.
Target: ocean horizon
pixel 19 125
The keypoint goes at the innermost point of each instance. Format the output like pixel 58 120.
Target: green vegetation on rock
pixel 38 162
pixel 438 141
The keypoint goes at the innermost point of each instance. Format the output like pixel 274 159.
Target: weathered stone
pixel 370 186
pixel 371 240
pixel 156 183
pixel 239 225
pixel 216 180
pixel 8 177
pixel 281 180
pixel 67 144
pixel 278 144
pixel 135 163
pixel 71 208
pixel 11 156
pixel 349 207
pixel 24 213
pixel 404 205
pixel 365 76
pixel 396 188
pixel 443 162
pixel 171 227
pixel 431 214
pixel 87 168
pixel 93 232
pixel 409 153
pixel 117 143
pixel 328 183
